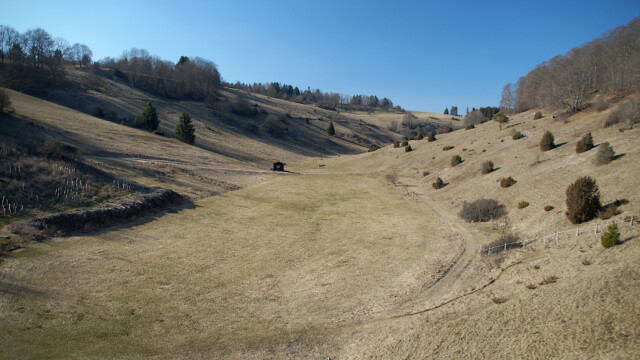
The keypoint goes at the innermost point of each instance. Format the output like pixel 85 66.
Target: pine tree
pixel 330 129
pixel 149 117
pixel 185 131
pixel 500 118
pixel 611 237
pixel 584 144
pixel 446 111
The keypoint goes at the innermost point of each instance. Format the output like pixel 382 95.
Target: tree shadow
pixel 620 156
pixel 560 144
pixel 627 239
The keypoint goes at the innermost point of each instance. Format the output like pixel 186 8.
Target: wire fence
pixel 544 240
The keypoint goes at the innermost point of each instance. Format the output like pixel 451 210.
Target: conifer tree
pixel 611 237
pixel 330 129
pixel 185 131
pixel 149 118
pixel 446 111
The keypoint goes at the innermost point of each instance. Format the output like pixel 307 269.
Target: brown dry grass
pixel 338 262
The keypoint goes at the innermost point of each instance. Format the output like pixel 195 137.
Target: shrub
pixel 98 111
pixel 549 280
pixel 616 116
pixel 185 131
pixel 515 134
pixel 373 148
pixel 5 101
pixel 411 138
pixel 438 184
pixel 404 143
pixel 611 237
pixel 482 210
pixel 448 148
pixel 583 200
pixel 506 241
pixel 523 204
pixel 469 127
pixel 608 212
pixel 407 148
pixel 242 107
pixel 446 130
pixel 455 160
pixel 158 132
pixel 396 144
pixel 487 167
pixel 537 115
pixel 605 154
pixel 601 105
pixel 547 141
pixel 273 126
pixel 548 208
pixel 584 144
pixel 419 136
pixel 506 182
pixel 431 137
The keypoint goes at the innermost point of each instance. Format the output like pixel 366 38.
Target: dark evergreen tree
pixel 330 129
pixel 185 131
pixel 446 111
pixel 583 200
pixel 547 141
pixel 149 118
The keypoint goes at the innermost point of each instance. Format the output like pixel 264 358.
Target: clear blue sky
pixel 423 55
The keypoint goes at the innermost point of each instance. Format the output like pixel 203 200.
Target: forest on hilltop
pixel 606 65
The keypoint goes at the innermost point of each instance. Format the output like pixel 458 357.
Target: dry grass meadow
pixel 333 259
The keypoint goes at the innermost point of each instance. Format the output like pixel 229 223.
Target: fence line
pixel 594 229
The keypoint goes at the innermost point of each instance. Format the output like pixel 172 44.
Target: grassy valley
pixel 350 253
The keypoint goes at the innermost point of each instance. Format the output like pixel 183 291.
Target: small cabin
pixel 278 166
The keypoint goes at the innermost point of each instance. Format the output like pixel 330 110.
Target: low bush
pixel 601 105
pixel 611 237
pixel 548 208
pixel 605 154
pixel 438 184
pixel 431 137
pixel 396 144
pixel 482 210
pixel 504 242
pixel 158 132
pixel 487 167
pixel 408 148
pixel 419 136
pixel 523 204
pixel 456 160
pixel 446 130
pixel 549 280
pixel 373 148
pixel 547 141
pixel 404 143
pixel 448 148
pixel 584 144
pixel 515 134
pixel 469 127
pixel 537 115
pixel 506 182
pixel 608 212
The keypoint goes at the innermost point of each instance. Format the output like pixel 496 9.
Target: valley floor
pixel 315 265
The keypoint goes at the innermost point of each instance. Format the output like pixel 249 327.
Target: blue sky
pixel 423 55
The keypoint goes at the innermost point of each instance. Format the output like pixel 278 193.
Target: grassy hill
pixel 352 256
